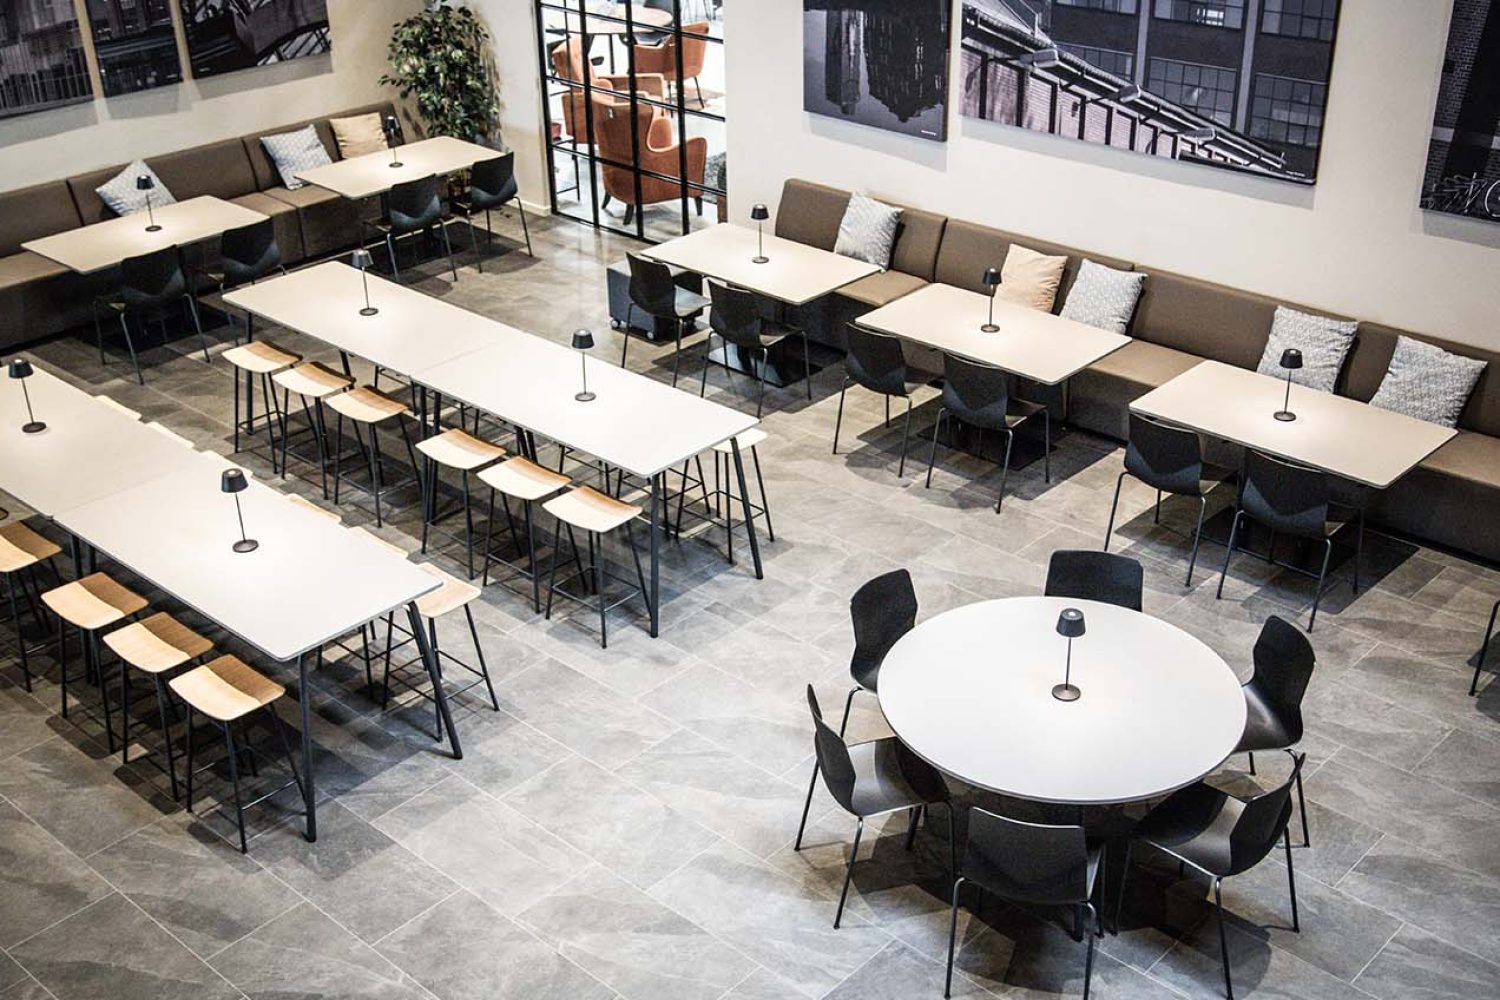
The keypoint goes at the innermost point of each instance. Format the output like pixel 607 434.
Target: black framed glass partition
pixel 635 113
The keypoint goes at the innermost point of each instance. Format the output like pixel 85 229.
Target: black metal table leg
pixel 656 487
pixel 429 660
pixel 739 472
pixel 309 801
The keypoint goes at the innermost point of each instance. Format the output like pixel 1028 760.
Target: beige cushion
pixel 1030 278
pixel 882 288
pixel 358 135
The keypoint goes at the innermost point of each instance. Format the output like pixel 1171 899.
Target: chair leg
pixel 952 935
pixel 1088 961
pixel 286 748
pixel 1359 550
pixel 905 437
pixel 525 230
pixel 234 779
pixel 15 617
pixel 1010 441
pixel 1322 575
pixel 1234 528
pixel 1301 803
pixel 1223 937
pixel 1109 529
pixel 484 670
pixel 596 555
pixel 625 333
pixel 448 245
pixel 806 807
pixel 1120 896
pixel 937 427
pixel 849 872
pixel 839 420
pixel 765 503
pixel 1046 446
pixel 190 766
pixel 474 243
pixel 911 826
pixel 708 349
pixel 390 247
pixel 1484 651
pixel 806 365
pixel 192 304
pixel 1291 877
pixel 1197 539
pixel 130 345
pixel 677 354
pixel 848 706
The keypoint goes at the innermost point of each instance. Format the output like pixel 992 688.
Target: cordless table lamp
pixel 234 483
pixel 583 340
pixel 759 214
pixel 362 261
pixel 146 184
pixel 20 369
pixel 1071 625
pixel 992 282
pixel 1291 360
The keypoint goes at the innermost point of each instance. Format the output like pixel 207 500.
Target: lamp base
pixel 760 260
pixel 1285 416
pixel 585 397
pixel 1066 692
pixel 369 311
pixel 153 228
pixel 246 545
pixel 35 427
pixel 990 328
pixel 397 164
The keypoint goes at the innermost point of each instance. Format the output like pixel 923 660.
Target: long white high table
pixel 104 244
pixel 794 273
pixel 374 173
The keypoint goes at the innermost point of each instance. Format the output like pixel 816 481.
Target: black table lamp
pixel 992 282
pixel 1291 360
pixel 392 133
pixel 20 368
pixel 362 260
pixel 759 214
pixel 146 184
pixel 234 482
pixel 583 340
pixel 1069 624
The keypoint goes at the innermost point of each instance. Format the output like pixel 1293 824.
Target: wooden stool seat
pixel 93 602
pixel 523 479
pixel 226 689
pixel 585 507
pixel 367 406
pixel 747 439
pixel 312 380
pixel 117 407
pixel 306 504
pixel 157 644
pixel 452 595
pixel 260 358
pixel 457 449
pixel 21 547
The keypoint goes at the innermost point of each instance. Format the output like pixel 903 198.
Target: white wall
pixel 512 27
pixel 55 144
pixel 1354 244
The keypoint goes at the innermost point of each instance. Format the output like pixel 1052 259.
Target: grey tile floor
pixel 623 826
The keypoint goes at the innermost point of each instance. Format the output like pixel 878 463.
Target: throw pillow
pixel 359 134
pixel 1427 382
pixel 1104 297
pixel 1323 342
pixel 868 230
pixel 1030 278
pixel 294 151
pixel 124 198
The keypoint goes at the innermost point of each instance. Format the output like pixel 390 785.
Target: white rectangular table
pixel 104 244
pixel 1343 436
pixel 373 173
pixel 794 273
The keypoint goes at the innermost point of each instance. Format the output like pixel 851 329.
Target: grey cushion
pixel 124 198
pixel 1324 342
pixel 868 230
pixel 1104 297
pixel 294 151
pixel 1427 382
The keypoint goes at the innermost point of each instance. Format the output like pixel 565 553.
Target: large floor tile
pixel 87 804
pixel 582 714
pixel 41 881
pixel 1416 965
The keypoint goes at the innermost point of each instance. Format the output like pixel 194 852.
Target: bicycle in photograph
pixel 1470 195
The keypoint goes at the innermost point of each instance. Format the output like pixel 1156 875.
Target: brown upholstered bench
pixel 38 297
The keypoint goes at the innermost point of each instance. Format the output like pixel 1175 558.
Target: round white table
pixel 970 692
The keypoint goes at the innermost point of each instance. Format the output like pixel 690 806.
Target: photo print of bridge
pixel 1463 160
pixel 226 35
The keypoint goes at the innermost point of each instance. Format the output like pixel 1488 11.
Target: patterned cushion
pixel 1029 278
pixel 294 151
pixel 868 231
pixel 1323 342
pixel 1427 382
pixel 359 134
pixel 1104 297
pixel 122 196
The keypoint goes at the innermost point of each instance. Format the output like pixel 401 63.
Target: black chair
pixel 979 396
pixel 654 293
pixel 414 207
pixel 875 362
pixel 1031 864
pixel 736 319
pixel 1284 661
pixel 492 185
pixel 246 255
pixel 1221 836
pixel 1170 459
pixel 148 283
pixel 1292 500
pixel 1484 650
pixel 1096 576
pixel 873 779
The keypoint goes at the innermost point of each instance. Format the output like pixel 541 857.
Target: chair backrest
pixel 493 181
pixel 882 610
pixel 875 361
pixel 1166 457
pixel 694 48
pixel 1261 823
pixel 1285 497
pixel 976 394
pixel 415 205
pixel 1284 661
pixel 736 314
pixel 152 278
pixel 250 252
pixel 651 287
pixel 1026 862
pixel 834 761
pixel 1096 576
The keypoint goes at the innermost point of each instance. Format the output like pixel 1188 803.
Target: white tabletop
pixel 372 173
pixel 1343 436
pixel 970 691
pixel 1031 343
pixel 105 244
pixel 795 272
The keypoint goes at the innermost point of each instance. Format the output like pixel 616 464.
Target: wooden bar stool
pixel 369 408
pixel 453 449
pixel 258 359
pixel 227 690
pixel 21 550
pixel 155 646
pixel 528 482
pixel 726 484
pixel 313 383
pixel 90 604
pixel 597 515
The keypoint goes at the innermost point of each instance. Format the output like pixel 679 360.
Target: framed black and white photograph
pixel 42 63
pixel 1233 84
pixel 1463 158
pixel 135 43
pixel 228 35
pixel 882 63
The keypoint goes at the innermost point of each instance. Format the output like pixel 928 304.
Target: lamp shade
pixel 144 183
pixel 1291 359
pixel 760 213
pixel 992 277
pixel 361 258
pixel 20 368
pixel 233 481
pixel 1070 623
pixel 392 125
pixel 583 340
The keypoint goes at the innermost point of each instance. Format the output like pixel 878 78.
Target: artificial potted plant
pixel 440 60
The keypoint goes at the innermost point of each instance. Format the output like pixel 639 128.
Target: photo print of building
pixel 136 46
pixel 882 63
pixel 1463 160
pixel 1240 84
pixel 226 35
pixel 42 64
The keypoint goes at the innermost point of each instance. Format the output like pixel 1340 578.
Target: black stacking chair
pixel 1096 576
pixel 148 283
pixel 1170 459
pixel 1484 650
pixel 1221 836
pixel 414 207
pixel 1292 500
pixel 654 293
pixel 1284 661
pixel 875 362
pixel 246 255
pixel 1034 865
pixel 873 779
pixel 979 396
pixel 492 185
pixel 735 319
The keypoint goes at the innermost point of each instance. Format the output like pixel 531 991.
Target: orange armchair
pixel 659 154
pixel 570 62
pixel 662 59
